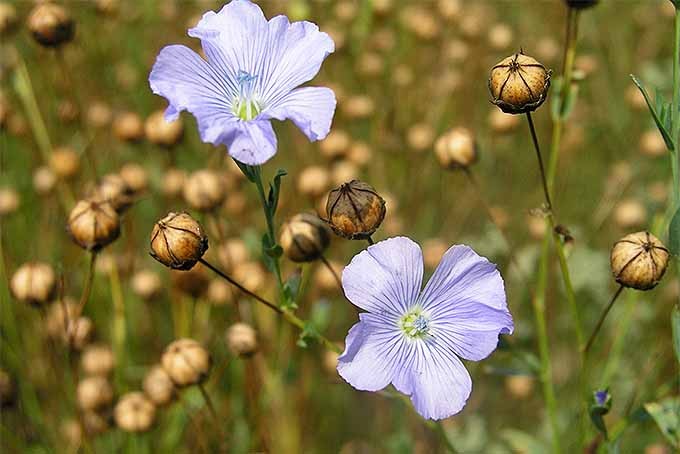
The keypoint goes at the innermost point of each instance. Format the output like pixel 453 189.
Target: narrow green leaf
pixel 659 124
pixel 674 234
pixel 274 191
pixel 666 414
pixel 248 171
pixel 675 326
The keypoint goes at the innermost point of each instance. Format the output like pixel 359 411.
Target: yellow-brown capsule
pixel 134 413
pixel 204 190
pixel 34 283
pixel 65 162
pixel 304 237
pixel 639 260
pixel 519 84
pixel 93 224
pixel 94 393
pixel 115 190
pixel 128 127
pixel 51 25
pixel 355 210
pixel 186 362
pixel 456 149
pixel 242 340
pixel 158 386
pixel 97 360
pixel 161 132
pixel 178 241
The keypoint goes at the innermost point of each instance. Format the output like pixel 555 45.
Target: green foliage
pixel 660 113
pixel 666 414
pixel 674 234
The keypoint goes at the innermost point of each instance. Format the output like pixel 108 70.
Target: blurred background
pixel 404 73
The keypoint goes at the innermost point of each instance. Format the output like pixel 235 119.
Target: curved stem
pixel 544 181
pixel 88 285
pixel 328 265
pixel 599 323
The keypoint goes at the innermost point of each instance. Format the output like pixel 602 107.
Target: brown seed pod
pixel 173 182
pixel 313 181
pixel 94 393
pixel 8 18
pixel 186 362
pixel 146 284
pixel 51 25
pixel 97 360
pixel 65 162
pixel 639 260
pixel 135 177
pixel 519 84
pixel 96 422
pixel 242 340
pixel 193 282
pixel 34 283
pixel 9 201
pixel 113 189
pixel 44 180
pixel 355 210
pixel 204 190
pixel 304 237
pixel 178 241
pixel 93 224
pixel 220 292
pixel 158 386
pixel 456 149
pixel 7 389
pixel 128 127
pixel 161 132
pixel 134 413
pixel 79 333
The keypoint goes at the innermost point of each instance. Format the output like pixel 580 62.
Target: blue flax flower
pixel 414 339
pixel 251 75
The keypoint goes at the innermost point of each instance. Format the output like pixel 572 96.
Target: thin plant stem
pixel 270 224
pixel 283 312
pixel 439 428
pixel 328 265
pixel 603 316
pixel 544 181
pixel 209 404
pixel 87 289
pixel 675 116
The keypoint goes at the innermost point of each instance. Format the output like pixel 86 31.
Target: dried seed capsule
pixel 456 149
pixel 134 176
pixel 519 84
pixel 79 333
pixel 581 4
pixel 178 241
pixel 242 339
pixel 9 201
pixel 161 132
pixel 146 284
pixel 313 181
pixel 93 224
pixel 355 210
pixel 65 162
pixel 639 260
pixel 34 283
pixel 220 292
pixel 304 237
pixel 44 180
pixel 8 18
pixel 158 386
pixel 94 422
pixel 94 393
pixel 51 25
pixel 204 190
pixel 114 190
pixel 128 127
pixel 134 413
pixel 173 182
pixel 186 362
pixel 97 360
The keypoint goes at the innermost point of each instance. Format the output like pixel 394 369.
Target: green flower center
pixel 245 105
pixel 414 324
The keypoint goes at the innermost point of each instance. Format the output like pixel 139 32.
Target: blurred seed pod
pixel 658 192
pixel 519 84
pixel 99 115
pixel 652 144
pixel 343 171
pixel 433 250
pixel 420 21
pixel 335 145
pixel 370 65
pixel 8 18
pixel 337 34
pixel 107 7
pixel 403 75
pixel 355 210
pixel 17 124
pixel 639 260
pixel 58 316
pixel 536 226
pixel 173 182
pixel 250 275
pixel 456 149
pixel 193 282
pixel 113 189
pixel 161 132
pixel 456 50
pixel 93 224
pixel 304 238
pixel 586 64
pixel 51 25
pixel 94 393
pixel 178 241
pixel 44 180
pixel 79 333
pixel 220 293
pixel 383 39
pixel 95 422
pixel 500 37
pixel 360 153
pixel 158 386
pixel 134 413
pixel 236 204
pixel 232 253
pixel 135 178
pixel 547 48
pixel 241 340
pixel 97 359
pixel 7 387
pixel 630 213
pixel 420 136
pixel 34 283
pixel 313 181
pixel 9 201
pixel 186 362
pixel 345 10
pixel 67 111
pixel 324 280
pixel 382 7
pixel 65 162
pixel 503 123
pixel 128 127
pixel 204 190
pixel 72 432
pixel 146 284
pixel 449 9
pixel 353 107
pixel 520 386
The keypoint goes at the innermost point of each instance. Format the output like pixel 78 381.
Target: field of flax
pixel 198 255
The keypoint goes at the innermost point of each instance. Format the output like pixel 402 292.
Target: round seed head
pixel 161 132
pixel 173 182
pixel 134 413
pixel 97 359
pixel 44 180
pixel 178 241
pixel 313 181
pixel 519 84
pixel 146 284
pixel 34 283
pixel 93 224
pixel 51 25
pixel 9 201
pixel 135 178
pixel 204 190
pixel 355 210
pixel 65 163
pixel 158 386
pixel 456 149
pixel 128 127
pixel 186 362
pixel 113 189
pixel 242 339
pixel 304 238
pixel 7 389
pixel 193 282
pixel 639 260
pixel 94 393
pixel 8 18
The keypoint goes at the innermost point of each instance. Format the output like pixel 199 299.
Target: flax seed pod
pixel 313 181
pixel 173 182
pixel 304 238
pixel 134 176
pixel 34 283
pixel 97 359
pixel 519 84
pixel 93 224
pixel 134 413
pixel 161 132
pixel 456 149
pixel 51 25
pixel 355 210
pixel 242 340
pixel 94 393
pixel 9 201
pixel 44 180
pixel 630 213
pixel 204 190
pixel 113 189
pixel 65 162
pixel 158 386
pixel 146 284
pixel 178 241
pixel 639 260
pixel 335 145
pixel 186 362
pixel 128 127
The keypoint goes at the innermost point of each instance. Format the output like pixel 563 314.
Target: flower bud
pixel 94 393
pixel 639 260
pixel 581 4
pixel 355 210
pixel 146 284
pixel 93 224
pixel 134 413
pixel 128 127
pixel 242 339
pixel 178 241
pixel 97 360
pixel 114 190
pixel 65 162
pixel 456 149
pixel 519 84
pixel 51 25
pixel 34 283
pixel 161 132
pixel 158 386
pixel 204 190
pixel 304 238
pixel 186 362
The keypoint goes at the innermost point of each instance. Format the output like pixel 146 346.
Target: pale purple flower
pixel 251 75
pixel 414 339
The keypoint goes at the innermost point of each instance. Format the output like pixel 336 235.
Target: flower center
pixel 414 324
pixel 245 105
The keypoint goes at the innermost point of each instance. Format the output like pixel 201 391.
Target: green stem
pixel 271 233
pixel 439 428
pixel 675 116
pixel 603 316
